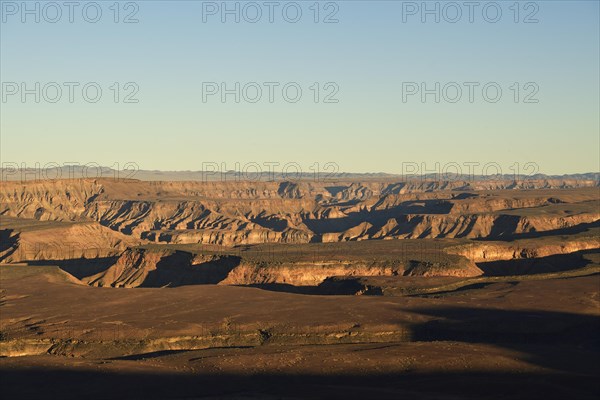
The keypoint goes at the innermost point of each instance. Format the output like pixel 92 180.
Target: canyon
pixel 250 284
pixel 129 233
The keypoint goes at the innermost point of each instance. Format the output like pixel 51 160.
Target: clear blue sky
pixel 369 55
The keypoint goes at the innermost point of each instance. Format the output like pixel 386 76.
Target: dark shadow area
pixel 425 207
pixel 504 226
pixel 152 354
pixel 172 270
pixel 332 286
pixel 40 383
pixel 378 218
pixel 503 233
pixel 532 332
pixel 8 242
pixel 213 272
pixel 348 286
pixel 539 265
pixel 270 222
pixel 176 270
pixel 286 288
pixel 334 190
pixel 79 267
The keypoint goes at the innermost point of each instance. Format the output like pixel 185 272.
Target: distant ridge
pixel 78 172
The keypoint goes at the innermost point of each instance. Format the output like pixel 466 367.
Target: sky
pixel 367 86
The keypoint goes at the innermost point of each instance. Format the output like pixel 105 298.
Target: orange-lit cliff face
pixel 234 213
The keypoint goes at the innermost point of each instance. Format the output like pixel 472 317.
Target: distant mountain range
pixel 78 172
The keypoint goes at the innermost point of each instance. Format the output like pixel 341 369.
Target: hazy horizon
pixel 366 58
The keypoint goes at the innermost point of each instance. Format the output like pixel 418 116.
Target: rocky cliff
pixel 236 213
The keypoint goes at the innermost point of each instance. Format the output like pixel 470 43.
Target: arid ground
pixel 373 289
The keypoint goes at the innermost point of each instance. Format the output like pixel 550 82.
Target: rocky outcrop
pixel 48 200
pixel 156 268
pixel 480 252
pixel 62 241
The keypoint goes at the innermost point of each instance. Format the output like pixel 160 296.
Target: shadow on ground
pixel 565 345
pixel 79 267
pixel 533 333
pixel 537 265
pixel 506 232
pixel 71 384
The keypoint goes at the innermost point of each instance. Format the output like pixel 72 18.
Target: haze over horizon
pixel 370 58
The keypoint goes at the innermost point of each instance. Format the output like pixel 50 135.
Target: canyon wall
pixel 239 213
